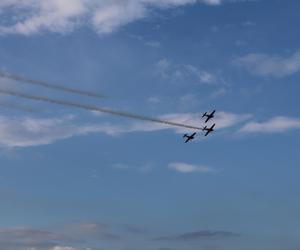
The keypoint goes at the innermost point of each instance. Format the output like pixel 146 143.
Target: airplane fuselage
pixel 189 137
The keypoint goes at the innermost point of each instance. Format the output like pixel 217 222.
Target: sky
pixel 75 179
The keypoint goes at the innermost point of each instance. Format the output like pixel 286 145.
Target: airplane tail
pixel 204 114
pixel 213 126
pixel 185 135
pixel 204 128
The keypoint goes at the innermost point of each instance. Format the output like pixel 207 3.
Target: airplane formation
pixel 205 128
pixel 187 137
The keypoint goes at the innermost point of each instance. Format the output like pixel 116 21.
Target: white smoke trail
pixel 95 108
pixel 49 85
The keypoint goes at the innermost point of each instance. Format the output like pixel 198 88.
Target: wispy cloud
pixel 270 65
pixel 151 43
pixel 189 168
pixel 27 131
pixel 219 93
pixel 31 131
pixel 227 119
pixel 65 238
pixel 203 75
pixel 24 238
pixel 120 166
pixel 187 72
pixel 222 119
pixel 90 231
pixel 200 235
pixel 79 237
pixel 65 248
pixel 32 16
pixel 213 2
pixel 141 168
pixel 154 44
pixel 28 17
pixel 136 229
pixel 274 125
pixel 154 100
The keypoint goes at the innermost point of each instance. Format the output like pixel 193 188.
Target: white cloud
pixel 184 73
pixel 60 238
pixel 32 16
pixel 27 131
pixel 120 166
pixel 142 168
pixel 154 44
pixel 163 66
pixel 270 65
pixel 154 99
pixel 111 16
pixel 105 16
pixel 222 119
pixel 63 248
pixel 203 75
pixel 28 238
pixel 30 131
pixel 188 168
pixel 226 119
pixel 68 248
pixel 212 2
pixel 274 125
pixel 219 93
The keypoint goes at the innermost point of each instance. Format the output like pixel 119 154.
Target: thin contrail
pixel 95 108
pixel 49 85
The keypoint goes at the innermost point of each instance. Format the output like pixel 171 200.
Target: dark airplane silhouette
pixel 208 116
pixel 209 130
pixel 189 137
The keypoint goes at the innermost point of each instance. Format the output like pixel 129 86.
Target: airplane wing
pixel 208 131
pixel 193 134
pixel 207 119
pixel 212 113
pixel 187 140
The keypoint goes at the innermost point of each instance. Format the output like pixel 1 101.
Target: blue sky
pixel 73 179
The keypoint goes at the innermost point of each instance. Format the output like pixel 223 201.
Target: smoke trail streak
pixel 49 85
pixel 95 108
pixel 16 106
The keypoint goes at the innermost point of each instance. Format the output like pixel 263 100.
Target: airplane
pixel 208 116
pixel 209 130
pixel 189 137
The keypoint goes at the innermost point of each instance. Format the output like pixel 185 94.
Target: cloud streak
pixel 25 132
pixel 20 238
pixel 270 65
pixel 277 124
pixel 187 72
pixel 189 168
pixel 27 238
pixel 199 235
